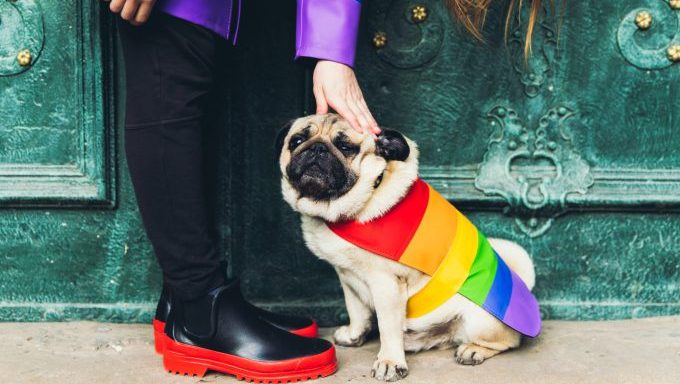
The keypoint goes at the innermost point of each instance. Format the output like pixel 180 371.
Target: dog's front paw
pixel 388 370
pixel 472 354
pixel 344 336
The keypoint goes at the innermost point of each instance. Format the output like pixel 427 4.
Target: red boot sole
pixel 189 360
pixel 160 338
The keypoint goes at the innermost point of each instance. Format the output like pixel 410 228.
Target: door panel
pixel 71 242
pixel 55 98
pixel 573 153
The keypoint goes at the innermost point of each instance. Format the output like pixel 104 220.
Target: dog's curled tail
pixel 517 259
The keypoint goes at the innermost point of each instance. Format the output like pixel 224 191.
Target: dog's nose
pixel 318 148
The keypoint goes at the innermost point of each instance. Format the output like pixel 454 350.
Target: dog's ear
pixel 392 145
pixel 281 137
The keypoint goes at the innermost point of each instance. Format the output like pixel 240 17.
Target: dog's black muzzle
pixel 318 174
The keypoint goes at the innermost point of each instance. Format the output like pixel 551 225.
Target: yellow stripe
pixel 452 272
pixel 433 237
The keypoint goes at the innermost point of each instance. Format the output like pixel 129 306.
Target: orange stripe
pixel 433 237
pixel 451 274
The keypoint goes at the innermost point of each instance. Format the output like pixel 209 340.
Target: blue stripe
pixel 501 290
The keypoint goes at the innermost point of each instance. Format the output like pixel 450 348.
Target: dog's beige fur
pixel 375 285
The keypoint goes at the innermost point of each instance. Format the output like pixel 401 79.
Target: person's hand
pixel 336 86
pixel 136 12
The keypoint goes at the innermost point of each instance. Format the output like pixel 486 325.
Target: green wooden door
pixel 575 154
pixel 71 243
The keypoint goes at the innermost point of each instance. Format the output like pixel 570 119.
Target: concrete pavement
pixel 631 351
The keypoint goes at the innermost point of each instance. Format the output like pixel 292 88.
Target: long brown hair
pixel 472 14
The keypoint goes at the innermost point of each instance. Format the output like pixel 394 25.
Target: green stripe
pixel 482 272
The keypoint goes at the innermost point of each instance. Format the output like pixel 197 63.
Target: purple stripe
pixel 327 29
pixel 212 14
pixel 498 298
pixel 522 314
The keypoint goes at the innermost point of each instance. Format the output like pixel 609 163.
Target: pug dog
pixel 332 173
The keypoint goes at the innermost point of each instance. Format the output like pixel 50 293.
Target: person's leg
pixel 170 68
pixel 171 74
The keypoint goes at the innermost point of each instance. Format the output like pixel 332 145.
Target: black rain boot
pixel 222 332
pixel 299 325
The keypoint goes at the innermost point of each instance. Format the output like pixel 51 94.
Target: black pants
pixel 171 72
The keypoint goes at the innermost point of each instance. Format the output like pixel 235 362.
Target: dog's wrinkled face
pixel 328 169
pixel 321 151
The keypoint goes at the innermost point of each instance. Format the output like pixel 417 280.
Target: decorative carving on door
pixel 22 35
pixel 420 32
pixel 537 69
pixel 57 148
pixel 649 37
pixel 533 168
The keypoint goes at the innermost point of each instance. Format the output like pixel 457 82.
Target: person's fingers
pixel 143 12
pixel 369 116
pixel 129 10
pixel 116 5
pixel 372 125
pixel 371 120
pixel 321 103
pixel 361 103
pixel 341 107
pixel 361 118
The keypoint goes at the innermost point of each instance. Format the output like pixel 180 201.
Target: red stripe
pixel 390 234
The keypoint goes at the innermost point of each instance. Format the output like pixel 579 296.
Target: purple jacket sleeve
pixel 327 29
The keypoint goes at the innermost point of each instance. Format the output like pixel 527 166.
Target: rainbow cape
pixel 424 231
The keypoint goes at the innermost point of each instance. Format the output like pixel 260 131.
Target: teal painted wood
pixel 71 242
pixel 56 141
pixel 573 155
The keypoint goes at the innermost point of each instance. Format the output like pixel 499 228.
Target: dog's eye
pixel 295 141
pixel 347 148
